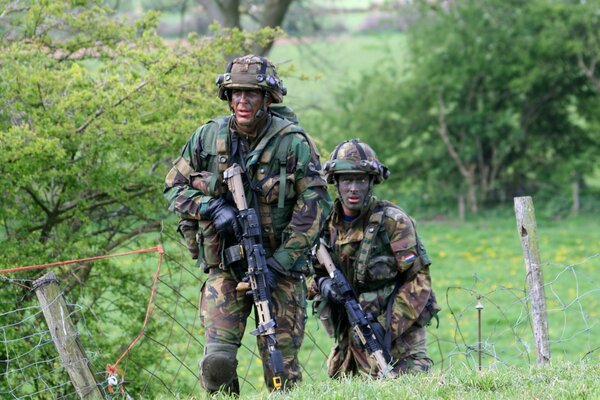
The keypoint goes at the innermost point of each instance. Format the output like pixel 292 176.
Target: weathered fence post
pixel 527 230
pixel 65 337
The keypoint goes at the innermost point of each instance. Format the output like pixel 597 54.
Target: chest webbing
pixel 366 245
pixel 283 139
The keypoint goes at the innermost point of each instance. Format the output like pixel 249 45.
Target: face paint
pixel 245 104
pixel 354 190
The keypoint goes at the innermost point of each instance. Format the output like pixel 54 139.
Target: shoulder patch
pixel 395 214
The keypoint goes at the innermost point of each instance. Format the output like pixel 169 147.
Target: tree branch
pixel 101 110
pixel 149 227
pixel 589 71
pixel 37 200
pixel 443 132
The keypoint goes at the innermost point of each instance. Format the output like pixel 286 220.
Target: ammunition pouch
pixel 430 312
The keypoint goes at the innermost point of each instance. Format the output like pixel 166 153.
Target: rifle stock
pixel 362 323
pixel 253 252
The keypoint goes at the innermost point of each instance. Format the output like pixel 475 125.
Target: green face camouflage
pixel 354 191
pixel 251 72
pixel 354 156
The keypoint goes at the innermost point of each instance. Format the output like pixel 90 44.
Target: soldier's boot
pixel 413 365
pixel 218 368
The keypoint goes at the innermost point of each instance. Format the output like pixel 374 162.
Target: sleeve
pixel 310 210
pixel 181 197
pixel 414 288
pixel 312 282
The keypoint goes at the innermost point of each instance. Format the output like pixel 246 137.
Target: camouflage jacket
pixel 291 221
pixel 396 263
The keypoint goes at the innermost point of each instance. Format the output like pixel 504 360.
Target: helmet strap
pixel 263 107
pixel 370 192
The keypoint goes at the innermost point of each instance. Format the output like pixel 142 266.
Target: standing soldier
pixel 376 246
pixel 283 182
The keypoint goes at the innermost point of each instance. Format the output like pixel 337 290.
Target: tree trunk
pixel 226 12
pixel 468 171
pixel 575 195
pixel 272 16
pixel 461 207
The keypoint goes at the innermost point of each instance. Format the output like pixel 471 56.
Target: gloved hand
pixel 224 217
pixel 272 275
pixel 329 291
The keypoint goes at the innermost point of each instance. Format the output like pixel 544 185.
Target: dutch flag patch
pixel 410 257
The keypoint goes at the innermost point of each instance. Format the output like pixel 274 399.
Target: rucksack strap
pixel 281 156
pixel 366 245
pixel 222 151
pixel 282 143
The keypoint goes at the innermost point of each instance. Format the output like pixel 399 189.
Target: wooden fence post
pixel 65 337
pixel 527 230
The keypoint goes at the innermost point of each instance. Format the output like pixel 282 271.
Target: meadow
pixel 477 260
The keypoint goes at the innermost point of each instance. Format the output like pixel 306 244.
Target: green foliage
pixel 492 100
pixel 93 109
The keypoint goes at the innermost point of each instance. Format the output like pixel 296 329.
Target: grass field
pixel 480 257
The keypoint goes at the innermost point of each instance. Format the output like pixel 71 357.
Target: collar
pixel 338 215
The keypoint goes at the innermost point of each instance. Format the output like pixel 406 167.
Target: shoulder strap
pixel 222 149
pixel 281 157
pixel 282 144
pixel 280 127
pixel 366 245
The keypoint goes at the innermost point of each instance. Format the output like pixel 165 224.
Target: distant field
pixel 322 65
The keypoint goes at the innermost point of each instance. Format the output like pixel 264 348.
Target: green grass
pixel 556 381
pixel 480 257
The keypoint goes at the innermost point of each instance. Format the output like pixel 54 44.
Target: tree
pixel 495 101
pixel 265 14
pixel 91 111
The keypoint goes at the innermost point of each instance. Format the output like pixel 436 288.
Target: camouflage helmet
pixel 251 72
pixel 354 156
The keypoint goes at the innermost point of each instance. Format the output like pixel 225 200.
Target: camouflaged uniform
pixel 380 254
pixel 389 271
pixel 292 216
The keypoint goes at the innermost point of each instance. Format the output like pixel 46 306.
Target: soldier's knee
pixel 218 367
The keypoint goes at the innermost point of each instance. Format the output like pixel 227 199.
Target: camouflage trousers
pixel 409 352
pixel 224 312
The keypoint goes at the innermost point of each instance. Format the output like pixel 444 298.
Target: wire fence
pixel 164 360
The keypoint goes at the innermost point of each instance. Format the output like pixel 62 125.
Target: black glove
pixel 224 216
pixel 271 276
pixel 272 273
pixel 329 290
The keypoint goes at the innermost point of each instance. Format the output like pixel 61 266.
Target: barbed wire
pixel 164 360
pixel 572 311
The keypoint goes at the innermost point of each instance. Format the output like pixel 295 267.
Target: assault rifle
pixel 252 250
pixel 365 327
